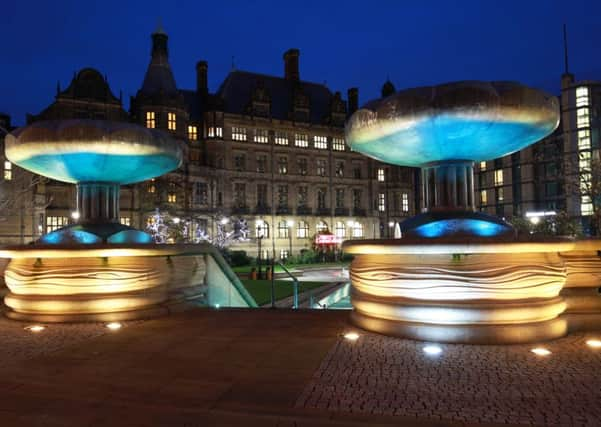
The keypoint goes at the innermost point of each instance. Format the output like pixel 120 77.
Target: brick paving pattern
pixel 475 384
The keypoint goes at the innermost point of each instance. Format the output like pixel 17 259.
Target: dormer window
pixel 151 120
pixel 171 121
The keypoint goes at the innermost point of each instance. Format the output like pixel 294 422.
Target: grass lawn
pixel 261 289
pixel 278 269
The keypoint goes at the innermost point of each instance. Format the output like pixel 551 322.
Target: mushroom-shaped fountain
pixel 99 269
pixel 456 275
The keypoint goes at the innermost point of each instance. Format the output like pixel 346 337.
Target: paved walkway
pixel 278 368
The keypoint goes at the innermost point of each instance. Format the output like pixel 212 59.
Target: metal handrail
pixel 294 284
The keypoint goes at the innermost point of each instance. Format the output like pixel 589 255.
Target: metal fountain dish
pixel 444 129
pixel 98 156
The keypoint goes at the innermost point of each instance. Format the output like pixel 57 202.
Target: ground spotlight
pixel 432 350
pixel 594 343
pixel 351 336
pixel 35 328
pixel 113 326
pixel 540 351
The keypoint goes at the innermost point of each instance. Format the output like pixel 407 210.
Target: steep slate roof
pixel 159 79
pixel 90 85
pixel 237 89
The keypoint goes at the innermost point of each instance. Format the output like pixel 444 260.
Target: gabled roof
pixel 89 85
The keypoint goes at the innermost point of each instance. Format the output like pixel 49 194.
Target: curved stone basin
pixel 477 291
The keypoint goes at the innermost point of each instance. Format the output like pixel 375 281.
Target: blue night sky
pixel 344 43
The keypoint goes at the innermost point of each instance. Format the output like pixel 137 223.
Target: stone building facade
pixel 268 150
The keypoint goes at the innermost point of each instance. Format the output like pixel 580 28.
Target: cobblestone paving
pixel 476 384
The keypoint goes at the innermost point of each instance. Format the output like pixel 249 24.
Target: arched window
pixel 321 226
pixel 302 230
pixel 262 229
pixel 340 229
pixel 357 229
pixel 283 230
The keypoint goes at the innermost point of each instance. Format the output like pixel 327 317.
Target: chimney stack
pixel 291 64
pixel 202 86
pixel 353 100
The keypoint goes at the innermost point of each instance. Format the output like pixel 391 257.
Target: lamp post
pixel 351 225
pixel 259 230
pixel 290 223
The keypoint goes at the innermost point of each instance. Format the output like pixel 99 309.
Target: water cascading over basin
pixel 457 275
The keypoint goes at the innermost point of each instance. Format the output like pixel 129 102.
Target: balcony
pixel 262 210
pixel 283 210
pixel 323 211
pixel 341 211
pixel 304 210
pixel 359 212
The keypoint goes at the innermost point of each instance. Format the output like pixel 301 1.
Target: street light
pixel 176 220
pixel 224 221
pixel 290 223
pixel 259 230
pixel 75 215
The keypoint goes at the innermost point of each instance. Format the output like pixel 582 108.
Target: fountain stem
pixel 98 202
pixel 448 186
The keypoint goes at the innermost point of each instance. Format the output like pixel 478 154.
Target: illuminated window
pixel 214 132
pixel 500 194
pixel 262 136
pixel 405 202
pixel 582 118
pixel 321 227
pixel 171 198
pixel 321 167
pixel 192 133
pixel 483 197
pixel 482 166
pixel 381 174
pixel 382 202
pixel 282 165
pixel 320 142
pixel 8 170
pixel 301 140
pixel 151 186
pixel 584 139
pixel 283 230
pixel 238 134
pixel 586 206
pixel 302 230
pixel 499 177
pixel 582 97
pixel 340 229
pixel 281 138
pixel 55 222
pixel 171 122
pixel 262 229
pixel 284 254
pixel 340 169
pixel 357 229
pixel 338 144
pixel 125 220
pixel 150 120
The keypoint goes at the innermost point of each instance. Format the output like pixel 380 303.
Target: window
pixel 303 193
pixel 215 132
pixel 499 177
pixel 321 198
pixel 284 254
pixel 262 195
pixel 340 229
pixel 339 197
pixel 302 165
pixel 340 169
pixel 192 133
pixel 356 198
pixel 151 120
pixel 261 163
pixel 125 220
pixel 357 171
pixel 500 195
pixel 321 167
pixel 238 134
pixel 262 229
pixel 482 166
pixel 8 170
pixel 338 144
pixel 586 206
pixel 301 140
pixel 483 197
pixel 281 138
pixel 239 162
pixel 151 186
pixel 171 198
pixel 320 142
pixel 582 97
pixel 302 230
pixel 171 122
pixel 201 193
pixel 262 136
pixel 381 175
pixel 282 165
pixel 283 230
pixel 357 229
pixel 282 196
pixel 405 202
pixel 382 202
pixel 239 195
pixel 55 222
pixel 321 227
pixel 584 139
pixel 582 118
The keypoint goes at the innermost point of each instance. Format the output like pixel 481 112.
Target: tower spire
pixel 565 50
